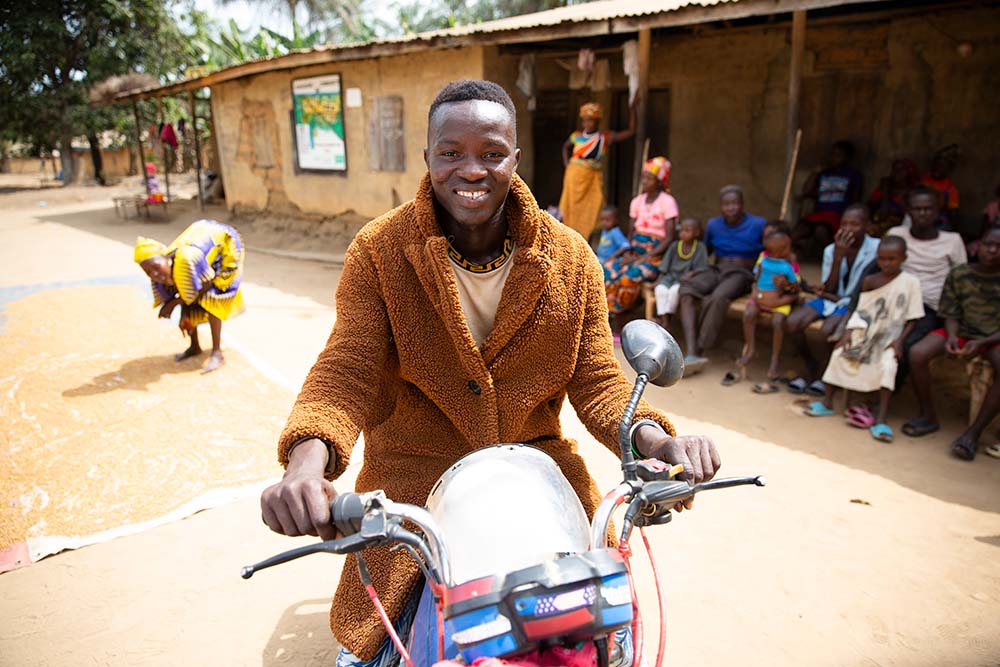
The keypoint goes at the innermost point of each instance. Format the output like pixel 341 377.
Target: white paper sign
pixel 352 98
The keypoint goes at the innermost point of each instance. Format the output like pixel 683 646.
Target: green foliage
pixel 53 51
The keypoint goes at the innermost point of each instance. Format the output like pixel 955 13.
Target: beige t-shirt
pixel 931 261
pixel 479 289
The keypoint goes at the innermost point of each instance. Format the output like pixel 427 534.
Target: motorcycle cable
pixel 662 643
pixel 601 644
pixel 366 580
pixel 626 551
pixel 437 591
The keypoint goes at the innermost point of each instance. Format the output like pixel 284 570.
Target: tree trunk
pixel 95 156
pixel 66 158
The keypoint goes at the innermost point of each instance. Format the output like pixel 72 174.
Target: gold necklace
pixel 680 249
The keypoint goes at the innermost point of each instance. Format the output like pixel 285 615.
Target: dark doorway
pixel 555 118
pixel 618 179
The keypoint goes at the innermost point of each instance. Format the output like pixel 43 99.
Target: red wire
pixel 439 603
pixel 388 624
pixel 661 648
pixel 637 639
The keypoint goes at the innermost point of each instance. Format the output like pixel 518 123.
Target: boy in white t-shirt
pixel 930 256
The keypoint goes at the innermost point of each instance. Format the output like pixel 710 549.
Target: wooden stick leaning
pixel 790 176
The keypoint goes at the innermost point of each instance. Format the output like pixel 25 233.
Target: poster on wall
pixel 319 123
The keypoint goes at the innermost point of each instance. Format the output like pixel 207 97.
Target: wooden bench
pixel 736 308
pixel 140 203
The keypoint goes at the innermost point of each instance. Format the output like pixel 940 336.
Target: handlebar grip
pixel 346 512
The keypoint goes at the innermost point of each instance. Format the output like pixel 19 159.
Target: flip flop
pixel 860 416
pixel 816 388
pixel 798 385
pixel 993 450
pixel 919 426
pixel 694 365
pixel 964 448
pixel 881 432
pixel 732 377
pixel 769 387
pixel 817 409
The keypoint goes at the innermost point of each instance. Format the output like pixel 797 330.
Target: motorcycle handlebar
pixel 657 496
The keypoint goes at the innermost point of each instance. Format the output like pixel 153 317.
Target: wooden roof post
pixel 163 147
pixel 645 38
pixel 795 81
pixel 197 149
pixel 142 153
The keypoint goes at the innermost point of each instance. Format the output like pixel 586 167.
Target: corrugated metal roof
pixel 592 18
pixel 602 10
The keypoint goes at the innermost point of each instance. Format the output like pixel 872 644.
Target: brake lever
pixel 375 529
pixel 344 545
pixel 658 497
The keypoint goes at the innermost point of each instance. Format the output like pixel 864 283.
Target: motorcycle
pixel 536 584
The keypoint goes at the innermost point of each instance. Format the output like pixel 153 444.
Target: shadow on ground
pixel 135 375
pixel 302 637
pixel 923 464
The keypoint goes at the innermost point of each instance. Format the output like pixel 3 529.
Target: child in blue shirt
pixel 613 241
pixel 776 288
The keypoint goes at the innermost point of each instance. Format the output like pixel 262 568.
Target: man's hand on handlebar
pixel 300 503
pixel 697 453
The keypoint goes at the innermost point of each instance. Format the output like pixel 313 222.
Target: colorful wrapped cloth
pixel 583 183
pixel 623 279
pixel 207 269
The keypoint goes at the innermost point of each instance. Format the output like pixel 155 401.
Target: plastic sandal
pixel 964 448
pixel 993 450
pixel 919 426
pixel 816 388
pixel 860 416
pixel 769 387
pixel 693 365
pixel 798 385
pixel 881 432
pixel 817 409
pixel 732 377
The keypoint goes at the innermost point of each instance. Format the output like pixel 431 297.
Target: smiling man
pixel 464 319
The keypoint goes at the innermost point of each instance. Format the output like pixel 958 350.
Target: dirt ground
pixel 856 553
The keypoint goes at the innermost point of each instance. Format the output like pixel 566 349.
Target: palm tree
pixel 319 14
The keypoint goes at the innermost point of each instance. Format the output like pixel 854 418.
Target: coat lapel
pixel 527 280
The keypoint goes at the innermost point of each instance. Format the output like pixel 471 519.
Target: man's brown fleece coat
pixel 402 367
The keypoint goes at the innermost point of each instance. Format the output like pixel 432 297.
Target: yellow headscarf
pixel 147 248
pixel 591 110
pixel 659 167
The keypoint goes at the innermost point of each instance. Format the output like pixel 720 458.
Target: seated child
pixel 970 306
pixel 613 241
pixel 682 257
pixel 867 356
pixel 152 185
pixel 776 288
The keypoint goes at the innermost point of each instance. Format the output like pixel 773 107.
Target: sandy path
pixel 794 574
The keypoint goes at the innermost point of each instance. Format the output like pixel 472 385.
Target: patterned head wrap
pixel 147 248
pixel 659 167
pixel 591 110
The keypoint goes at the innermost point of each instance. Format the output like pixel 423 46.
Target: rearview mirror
pixel 652 351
